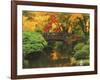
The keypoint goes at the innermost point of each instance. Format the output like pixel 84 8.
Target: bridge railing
pixel 55 36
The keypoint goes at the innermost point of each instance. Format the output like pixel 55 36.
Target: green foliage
pixel 81 51
pixel 32 42
pixel 84 62
pixel 78 46
pixel 81 54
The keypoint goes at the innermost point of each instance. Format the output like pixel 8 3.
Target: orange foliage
pixel 48 22
pixel 75 16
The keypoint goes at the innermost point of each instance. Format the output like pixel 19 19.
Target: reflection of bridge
pixel 55 36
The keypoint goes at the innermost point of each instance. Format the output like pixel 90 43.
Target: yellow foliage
pixel 74 17
pixel 39 20
pixel 87 26
pixel 72 20
pixel 69 29
pixel 28 25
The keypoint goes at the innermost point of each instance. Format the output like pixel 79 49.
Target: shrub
pixel 81 51
pixel 33 42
